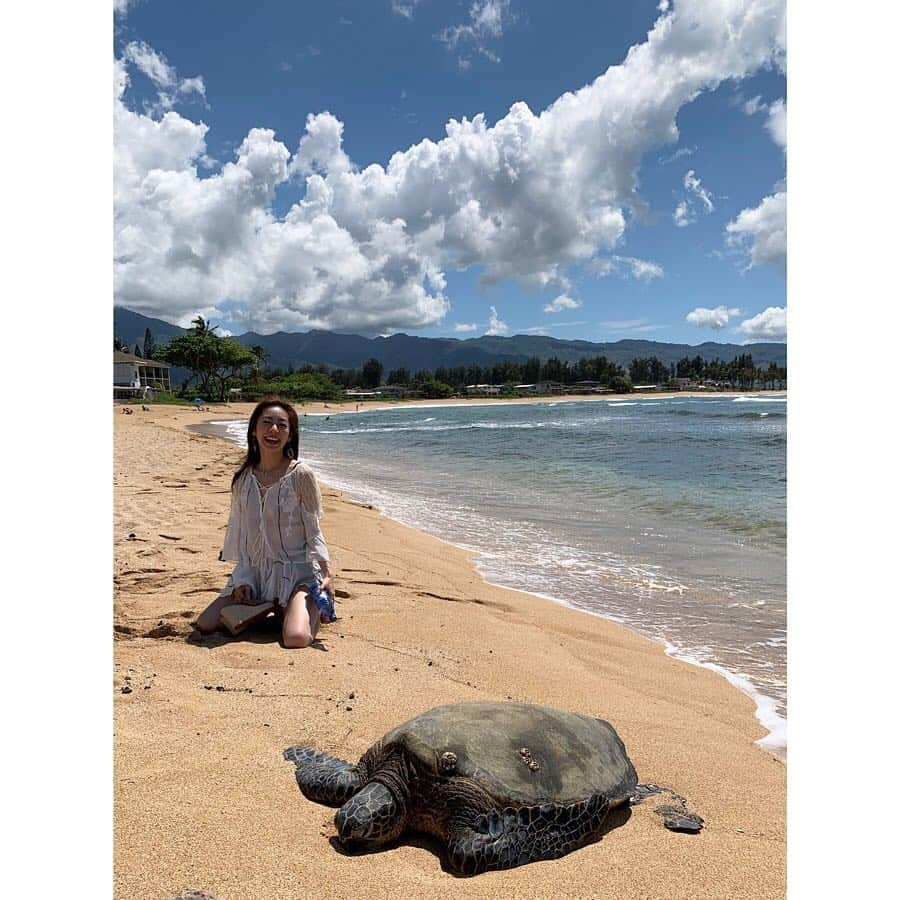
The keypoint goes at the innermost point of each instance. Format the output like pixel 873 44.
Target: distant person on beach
pixel 273 531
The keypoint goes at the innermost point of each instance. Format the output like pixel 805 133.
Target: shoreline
pixel 318 407
pixel 200 730
pixel 773 742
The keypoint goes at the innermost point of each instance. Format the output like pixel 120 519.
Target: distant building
pixel 542 387
pixel 136 377
pixel 391 390
pixel 645 387
pixel 588 387
pixel 482 388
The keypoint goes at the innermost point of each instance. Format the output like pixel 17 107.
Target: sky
pixel 592 171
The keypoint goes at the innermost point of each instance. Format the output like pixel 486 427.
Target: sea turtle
pixel 502 784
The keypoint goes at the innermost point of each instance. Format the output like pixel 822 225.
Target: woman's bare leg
pixel 301 621
pixel 208 620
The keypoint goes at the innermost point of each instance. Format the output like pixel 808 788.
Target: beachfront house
pixel 485 389
pixel 542 387
pixel 137 377
pixel 588 387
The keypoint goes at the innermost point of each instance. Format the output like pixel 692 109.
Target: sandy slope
pixel 203 797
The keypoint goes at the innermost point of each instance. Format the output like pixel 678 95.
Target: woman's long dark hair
pixel 291 448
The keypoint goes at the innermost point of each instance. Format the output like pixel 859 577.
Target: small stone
pixel 352 695
pixel 219 687
pixel 348 708
pixel 126 689
pixel 430 663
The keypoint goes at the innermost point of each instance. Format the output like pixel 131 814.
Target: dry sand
pixel 203 799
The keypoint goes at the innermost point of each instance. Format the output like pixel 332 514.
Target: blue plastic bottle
pixel 323 602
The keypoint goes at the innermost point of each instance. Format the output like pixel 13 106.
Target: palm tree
pixel 259 353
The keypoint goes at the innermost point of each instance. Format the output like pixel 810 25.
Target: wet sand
pixel 203 799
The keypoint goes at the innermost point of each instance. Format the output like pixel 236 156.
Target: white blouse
pixel 276 529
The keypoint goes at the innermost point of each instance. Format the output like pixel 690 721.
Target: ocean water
pixel 665 515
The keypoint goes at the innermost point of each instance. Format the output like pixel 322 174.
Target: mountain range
pixel 338 350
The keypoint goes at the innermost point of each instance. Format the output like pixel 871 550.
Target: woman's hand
pixel 327 583
pixel 243 593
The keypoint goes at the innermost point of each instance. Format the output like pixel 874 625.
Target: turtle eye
pixel 447 761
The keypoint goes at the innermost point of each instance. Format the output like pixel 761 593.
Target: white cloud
pixel 776 124
pixel 686 210
pixel 121 7
pixel 641 269
pixel 681 151
pixel 366 247
pixel 683 215
pixel 711 318
pixel 692 184
pixel 487 20
pixel 776 117
pixel 320 149
pixel 628 325
pixel 163 76
pixel 754 105
pixel 465 326
pixel 762 229
pixel 770 325
pixel 547 327
pixel 560 303
pixel 496 325
pixel 404 8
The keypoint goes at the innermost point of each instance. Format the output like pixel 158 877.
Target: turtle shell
pixel 520 753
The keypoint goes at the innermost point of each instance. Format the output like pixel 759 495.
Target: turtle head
pixel 373 816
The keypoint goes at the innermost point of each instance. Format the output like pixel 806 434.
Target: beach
pixel 203 798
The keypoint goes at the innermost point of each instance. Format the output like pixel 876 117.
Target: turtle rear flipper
pixel 323 778
pixel 503 839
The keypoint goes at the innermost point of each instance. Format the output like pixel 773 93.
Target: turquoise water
pixel 667 515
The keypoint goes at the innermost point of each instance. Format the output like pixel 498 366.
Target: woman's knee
pixel 296 639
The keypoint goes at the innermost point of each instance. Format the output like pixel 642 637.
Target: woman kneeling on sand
pixel 273 531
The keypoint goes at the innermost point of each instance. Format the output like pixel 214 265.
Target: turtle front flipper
pixel 503 839
pixel 323 778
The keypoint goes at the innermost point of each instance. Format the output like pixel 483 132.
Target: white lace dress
pixel 273 535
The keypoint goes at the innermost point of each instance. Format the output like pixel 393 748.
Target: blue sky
pixel 648 202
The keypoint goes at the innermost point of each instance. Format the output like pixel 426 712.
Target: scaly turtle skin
pixel 502 784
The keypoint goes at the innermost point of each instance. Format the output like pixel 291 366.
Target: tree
pixel 371 373
pixel 137 350
pixel 398 376
pixel 260 356
pixel 212 360
pixel 532 370
pixel 119 345
pixel 149 345
pixel 435 388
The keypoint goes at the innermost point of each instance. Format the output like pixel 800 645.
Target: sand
pixel 203 798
